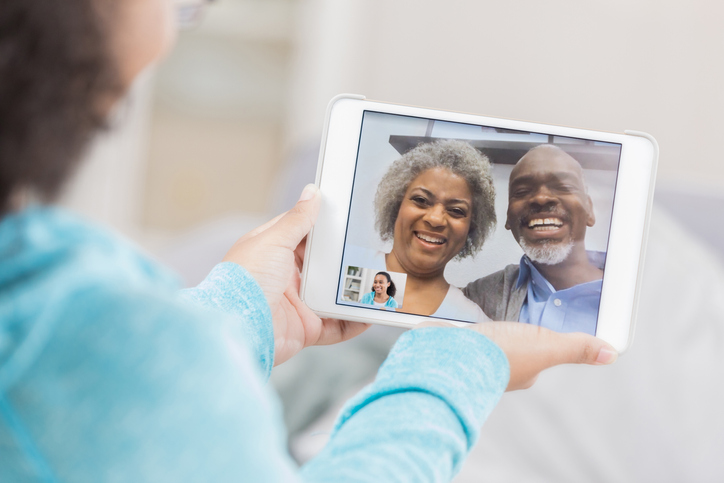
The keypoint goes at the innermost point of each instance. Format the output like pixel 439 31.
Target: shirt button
pixel 557 302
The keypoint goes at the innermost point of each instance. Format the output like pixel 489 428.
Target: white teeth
pixel 545 223
pixel 430 239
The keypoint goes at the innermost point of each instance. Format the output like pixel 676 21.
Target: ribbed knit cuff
pixel 462 367
pixel 230 288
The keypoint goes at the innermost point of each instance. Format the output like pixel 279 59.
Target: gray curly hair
pixel 460 158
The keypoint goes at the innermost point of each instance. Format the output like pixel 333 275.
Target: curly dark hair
pixel 58 79
pixel 460 158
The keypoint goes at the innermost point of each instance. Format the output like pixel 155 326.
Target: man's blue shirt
pixel 574 309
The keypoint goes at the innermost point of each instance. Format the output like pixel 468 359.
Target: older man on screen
pixel 557 284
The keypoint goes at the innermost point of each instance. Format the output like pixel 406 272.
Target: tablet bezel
pixel 335 178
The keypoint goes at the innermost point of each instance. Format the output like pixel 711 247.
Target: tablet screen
pixel 473 223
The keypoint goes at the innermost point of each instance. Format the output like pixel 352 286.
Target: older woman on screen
pixel 435 203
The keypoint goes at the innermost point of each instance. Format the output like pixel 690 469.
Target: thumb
pixel 577 348
pixel 531 349
pixel 291 228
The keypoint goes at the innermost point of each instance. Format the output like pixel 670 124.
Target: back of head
pixel 58 81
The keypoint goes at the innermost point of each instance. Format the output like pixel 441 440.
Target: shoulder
pixel 63 275
pixel 123 345
pixel 495 293
pixel 54 246
pixel 456 295
pixel 493 283
pixel 123 328
pixel 457 306
pixel 367 298
pixel 596 258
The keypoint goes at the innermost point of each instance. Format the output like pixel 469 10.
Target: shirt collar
pixel 528 270
pixel 524 272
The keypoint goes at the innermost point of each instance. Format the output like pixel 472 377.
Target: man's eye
pixel 520 192
pixel 565 188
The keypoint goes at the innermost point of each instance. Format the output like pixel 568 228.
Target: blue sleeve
pixel 367 298
pixel 392 303
pixel 421 416
pixel 127 385
pixel 230 289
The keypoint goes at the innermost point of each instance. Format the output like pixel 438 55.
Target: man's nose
pixel 543 197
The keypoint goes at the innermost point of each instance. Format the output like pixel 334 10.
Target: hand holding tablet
pixel 473 218
pixel 531 350
pixel 273 254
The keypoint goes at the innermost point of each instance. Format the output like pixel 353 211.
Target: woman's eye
pixel 420 200
pixel 458 212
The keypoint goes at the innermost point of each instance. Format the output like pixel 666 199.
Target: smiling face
pixel 380 284
pixel 548 208
pixel 433 222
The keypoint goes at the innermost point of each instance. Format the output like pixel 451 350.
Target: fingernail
pixel 309 191
pixel 606 356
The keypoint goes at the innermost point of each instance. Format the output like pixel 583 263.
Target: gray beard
pixel 547 252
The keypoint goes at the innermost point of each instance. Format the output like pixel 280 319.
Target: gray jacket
pixel 497 295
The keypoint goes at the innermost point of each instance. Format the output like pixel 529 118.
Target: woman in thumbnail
pixel 436 203
pixel 383 289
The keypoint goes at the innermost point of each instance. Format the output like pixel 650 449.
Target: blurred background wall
pixel 230 122
pixel 645 65
pixel 202 134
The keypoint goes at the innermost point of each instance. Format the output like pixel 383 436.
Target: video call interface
pixel 476 223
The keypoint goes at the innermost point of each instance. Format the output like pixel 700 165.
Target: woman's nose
pixel 435 216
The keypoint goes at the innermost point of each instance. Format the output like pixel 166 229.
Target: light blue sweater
pixel 107 374
pixel 369 299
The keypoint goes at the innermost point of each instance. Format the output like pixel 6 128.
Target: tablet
pixel 428 214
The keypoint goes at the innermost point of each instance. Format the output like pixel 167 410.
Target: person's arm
pixel 131 386
pixel 230 289
pixel 127 385
pixel 450 380
pixel 421 416
pixel 258 285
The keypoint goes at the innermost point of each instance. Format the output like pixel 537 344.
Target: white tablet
pixel 428 214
